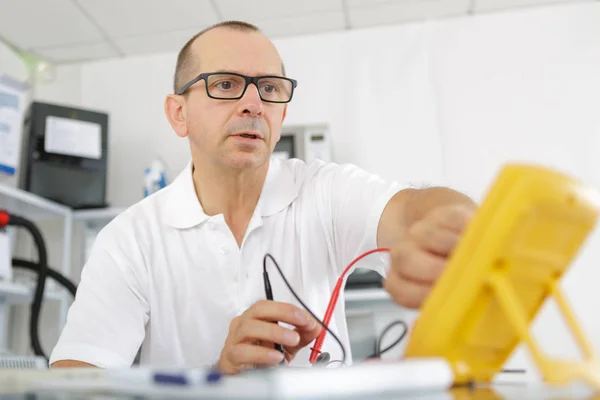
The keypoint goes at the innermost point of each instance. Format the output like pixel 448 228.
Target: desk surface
pixel 493 392
pixel 428 380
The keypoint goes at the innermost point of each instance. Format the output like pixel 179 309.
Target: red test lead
pixel 316 350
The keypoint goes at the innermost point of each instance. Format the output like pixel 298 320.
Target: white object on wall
pixel 12 108
pixel 5 256
pixel 311 142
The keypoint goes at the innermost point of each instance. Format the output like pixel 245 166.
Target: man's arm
pixel 422 228
pixel 107 320
pixel 411 205
pixel 71 364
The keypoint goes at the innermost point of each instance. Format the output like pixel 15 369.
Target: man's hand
pixel 253 334
pixel 420 257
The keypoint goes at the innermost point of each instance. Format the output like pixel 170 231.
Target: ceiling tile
pixel 404 10
pixel 260 10
pixel 155 43
pixel 173 41
pixel 78 53
pixel 373 3
pixel 35 23
pixel 489 5
pixel 308 24
pixel 122 18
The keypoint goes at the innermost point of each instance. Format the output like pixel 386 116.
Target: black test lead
pixel 269 295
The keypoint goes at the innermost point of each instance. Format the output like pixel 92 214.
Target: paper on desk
pixel 407 377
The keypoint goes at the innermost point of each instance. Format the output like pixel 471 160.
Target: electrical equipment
pixel 306 142
pixel 509 260
pixel 363 278
pixel 65 155
pixel 22 362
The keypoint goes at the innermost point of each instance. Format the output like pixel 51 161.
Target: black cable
pixel 269 296
pixel 379 352
pixel 302 303
pixel 36 305
pixel 57 276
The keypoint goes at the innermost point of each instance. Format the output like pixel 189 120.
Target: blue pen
pixel 185 379
pixel 168 377
pixel 171 379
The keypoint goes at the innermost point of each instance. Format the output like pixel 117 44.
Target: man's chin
pixel 247 160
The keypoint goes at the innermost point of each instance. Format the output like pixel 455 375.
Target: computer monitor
pixel 306 142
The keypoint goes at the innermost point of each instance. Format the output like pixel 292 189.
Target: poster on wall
pixel 12 108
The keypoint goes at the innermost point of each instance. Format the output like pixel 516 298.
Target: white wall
pixel 446 102
pixel 60 85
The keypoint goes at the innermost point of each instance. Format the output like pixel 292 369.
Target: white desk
pixel 430 381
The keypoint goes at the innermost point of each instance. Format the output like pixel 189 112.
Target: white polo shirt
pixel 169 278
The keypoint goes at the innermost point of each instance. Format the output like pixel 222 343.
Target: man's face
pixel 233 133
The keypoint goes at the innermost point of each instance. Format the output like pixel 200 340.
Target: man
pixel 180 273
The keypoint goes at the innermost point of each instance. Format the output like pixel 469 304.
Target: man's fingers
pixel 273 311
pixel 431 237
pixel 408 294
pixel 455 218
pixel 249 354
pixel 252 335
pixel 414 264
pixel 250 330
pixel 309 332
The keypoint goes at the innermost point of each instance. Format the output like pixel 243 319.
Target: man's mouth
pixel 250 135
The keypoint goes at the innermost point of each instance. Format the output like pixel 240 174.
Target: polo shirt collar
pixel 183 209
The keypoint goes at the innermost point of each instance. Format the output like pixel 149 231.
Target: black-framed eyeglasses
pixel 232 86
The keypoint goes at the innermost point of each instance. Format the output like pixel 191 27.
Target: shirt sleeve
pixel 107 321
pixel 356 201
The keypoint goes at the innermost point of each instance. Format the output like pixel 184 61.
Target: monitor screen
pixel 73 137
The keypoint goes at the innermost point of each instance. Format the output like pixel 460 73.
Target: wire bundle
pixel 43 272
pixel 316 355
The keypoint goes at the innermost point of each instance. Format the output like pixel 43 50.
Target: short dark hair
pixel 185 64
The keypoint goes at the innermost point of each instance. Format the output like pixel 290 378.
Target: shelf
pixel 29 205
pixel 363 295
pixel 14 293
pixel 97 215
pixel 35 207
pixel 17 293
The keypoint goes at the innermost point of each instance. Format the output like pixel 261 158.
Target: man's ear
pixel 175 114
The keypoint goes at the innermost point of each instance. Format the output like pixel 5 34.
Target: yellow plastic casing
pixel 509 260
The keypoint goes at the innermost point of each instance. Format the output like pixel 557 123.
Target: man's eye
pixel 225 85
pixel 270 88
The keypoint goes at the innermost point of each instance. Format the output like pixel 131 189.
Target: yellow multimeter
pixel 509 260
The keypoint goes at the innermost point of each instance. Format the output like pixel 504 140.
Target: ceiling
pixel 76 30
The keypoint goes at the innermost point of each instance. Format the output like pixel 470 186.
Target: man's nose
pixel 251 102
